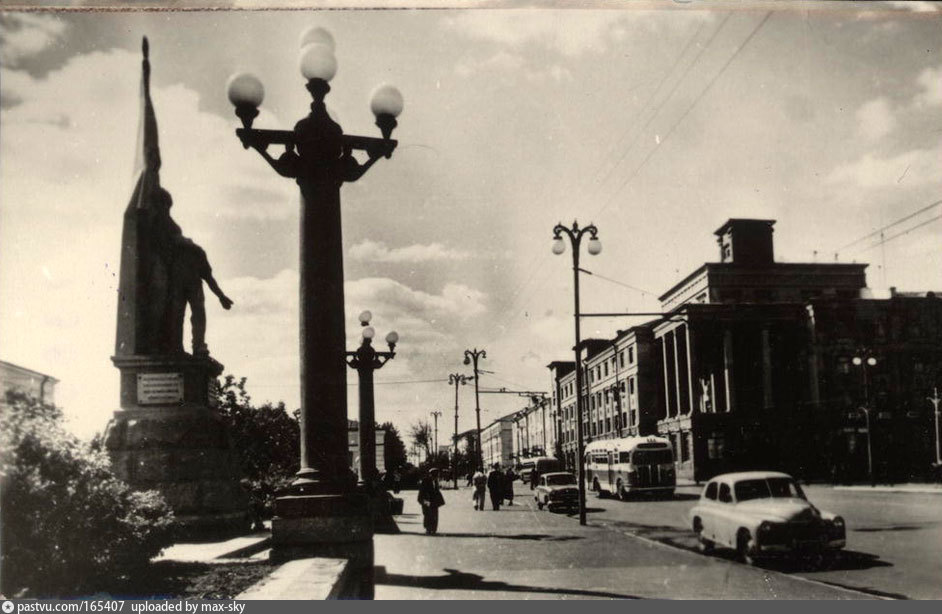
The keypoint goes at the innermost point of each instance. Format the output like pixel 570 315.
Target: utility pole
pixel 934 399
pixel 436 414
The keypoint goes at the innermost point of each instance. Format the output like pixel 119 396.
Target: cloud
pixel 930 79
pixel 373 251
pixel 27 34
pixel 918 167
pixel 876 119
pixel 508 63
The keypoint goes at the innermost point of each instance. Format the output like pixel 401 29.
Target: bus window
pixel 653 457
pixel 624 457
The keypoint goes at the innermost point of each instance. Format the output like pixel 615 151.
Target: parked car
pixel 557 490
pixel 541 464
pixel 763 514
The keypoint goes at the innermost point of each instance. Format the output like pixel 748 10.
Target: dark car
pixel 557 490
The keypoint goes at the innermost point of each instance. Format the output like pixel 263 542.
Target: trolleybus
pixel 630 465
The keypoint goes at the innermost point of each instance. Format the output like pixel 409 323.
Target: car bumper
pixel 798 546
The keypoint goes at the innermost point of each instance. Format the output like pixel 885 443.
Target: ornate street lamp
pixel 575 235
pixel 472 356
pixel 865 360
pixel 319 157
pixel 456 379
pixel 366 360
pixel 316 510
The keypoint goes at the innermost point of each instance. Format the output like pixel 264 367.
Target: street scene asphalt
pixel 628 550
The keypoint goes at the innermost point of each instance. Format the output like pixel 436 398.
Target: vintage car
pixel 762 514
pixel 557 490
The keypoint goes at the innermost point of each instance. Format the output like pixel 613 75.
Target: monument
pixel 166 436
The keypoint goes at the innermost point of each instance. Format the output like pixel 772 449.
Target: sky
pixel 656 124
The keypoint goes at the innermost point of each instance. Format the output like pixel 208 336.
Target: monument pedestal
pixel 166 437
pixel 327 525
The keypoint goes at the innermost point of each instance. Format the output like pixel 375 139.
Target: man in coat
pixel 430 498
pixel 495 486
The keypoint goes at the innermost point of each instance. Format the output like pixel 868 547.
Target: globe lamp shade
pixel 559 246
pixel 246 93
pixel 365 317
pixel 369 332
pixel 317 61
pixel 386 104
pixel 392 338
pixel 595 246
pixel 318 36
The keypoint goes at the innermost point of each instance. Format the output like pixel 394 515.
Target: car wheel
pixel 704 545
pixel 539 504
pixel 745 548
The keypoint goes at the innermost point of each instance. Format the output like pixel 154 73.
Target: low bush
pixel 66 522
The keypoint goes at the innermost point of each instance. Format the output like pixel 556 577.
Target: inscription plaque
pixel 159 388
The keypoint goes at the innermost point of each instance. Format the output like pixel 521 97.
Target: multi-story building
pixel 534 430
pixel 497 442
pixel 560 370
pixel 37 385
pixel 752 366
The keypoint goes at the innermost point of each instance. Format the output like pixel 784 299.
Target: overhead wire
pixel 684 115
pixel 890 225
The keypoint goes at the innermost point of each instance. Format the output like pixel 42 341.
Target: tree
pixel 266 439
pixel 66 521
pixel 394 450
pixel 421 435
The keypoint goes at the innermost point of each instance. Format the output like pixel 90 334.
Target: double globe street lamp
pixel 575 235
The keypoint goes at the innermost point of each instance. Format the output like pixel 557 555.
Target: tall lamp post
pixel 471 357
pixel 436 415
pixel 319 157
pixel 934 399
pixel 864 360
pixel 456 379
pixel 366 360
pixel 575 235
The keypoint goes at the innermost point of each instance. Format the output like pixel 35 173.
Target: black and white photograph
pixel 425 301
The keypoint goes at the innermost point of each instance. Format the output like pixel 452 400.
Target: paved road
pixel 893 538
pixel 522 553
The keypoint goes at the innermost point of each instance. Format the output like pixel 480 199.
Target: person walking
pixel 495 485
pixel 430 498
pixel 479 481
pixel 509 486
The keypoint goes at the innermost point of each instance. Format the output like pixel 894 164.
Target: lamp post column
pixel 472 356
pixel 934 399
pixel 575 235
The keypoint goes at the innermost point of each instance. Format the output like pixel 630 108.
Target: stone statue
pixel 161 270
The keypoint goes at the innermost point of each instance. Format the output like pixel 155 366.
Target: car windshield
pixel 768 488
pixel 560 480
pixel 652 457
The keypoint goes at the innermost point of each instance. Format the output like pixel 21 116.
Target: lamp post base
pixel 327 525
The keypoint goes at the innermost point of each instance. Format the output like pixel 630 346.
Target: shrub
pixel 65 520
pixel 267 440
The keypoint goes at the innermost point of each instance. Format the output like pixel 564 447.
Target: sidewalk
pixel 900 488
pixel 521 553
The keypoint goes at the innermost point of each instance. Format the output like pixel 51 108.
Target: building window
pixel 621 359
pixel 685 446
pixel 608 424
pixel 631 356
pixel 631 386
pixel 715 446
pixel 605 364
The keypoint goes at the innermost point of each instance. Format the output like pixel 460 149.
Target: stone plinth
pixel 327 525
pixel 166 437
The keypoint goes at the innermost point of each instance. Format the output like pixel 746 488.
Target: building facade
pixel 34 384
pixel 760 364
pixel 497 443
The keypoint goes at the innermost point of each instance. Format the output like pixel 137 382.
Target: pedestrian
pixel 509 486
pixel 479 481
pixel 471 478
pixel 495 484
pixel 397 479
pixel 430 498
